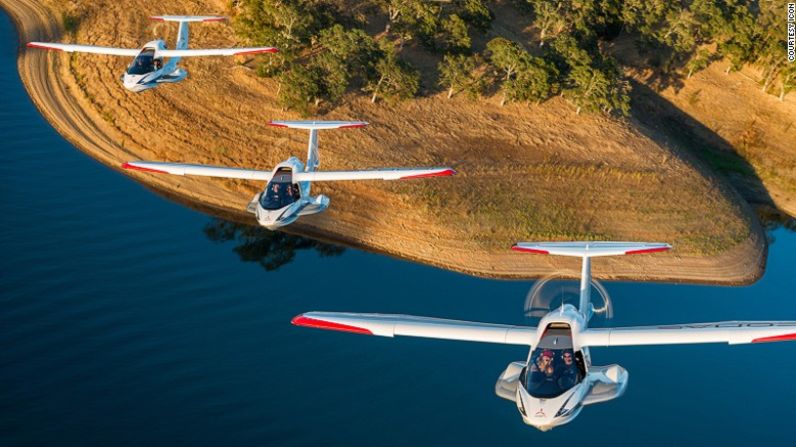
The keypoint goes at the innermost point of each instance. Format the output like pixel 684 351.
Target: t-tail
pixel 182 34
pixel 586 251
pixel 314 126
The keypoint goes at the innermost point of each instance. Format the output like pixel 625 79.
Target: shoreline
pixel 75 120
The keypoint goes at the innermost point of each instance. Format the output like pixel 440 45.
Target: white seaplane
pixel 286 196
pixel 148 69
pixel 557 379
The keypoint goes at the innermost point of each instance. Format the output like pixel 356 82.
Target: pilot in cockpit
pixel 279 195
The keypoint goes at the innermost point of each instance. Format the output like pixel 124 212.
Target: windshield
pixel 143 63
pixel 554 368
pixel 280 192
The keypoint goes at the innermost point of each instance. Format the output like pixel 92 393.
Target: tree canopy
pixel 326 52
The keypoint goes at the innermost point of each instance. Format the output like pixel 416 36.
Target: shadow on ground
pixel 662 120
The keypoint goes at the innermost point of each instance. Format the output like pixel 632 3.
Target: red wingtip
pixel 264 50
pixel 273 124
pixel 354 126
pixel 301 320
pixel 529 250
pixel 43 47
pixel 215 19
pixel 786 337
pixel 139 168
pixel 157 19
pixel 647 250
pixel 445 173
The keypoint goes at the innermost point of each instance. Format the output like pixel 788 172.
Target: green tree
pixel 598 90
pixel 582 17
pixel 455 37
pixel 567 52
pixel 507 56
pixel 342 57
pixel 358 50
pixel 457 73
pixel 523 77
pixel 787 80
pixel 731 25
pixel 395 79
pixel 535 81
pixel 346 55
pixel 285 24
pixel 548 20
pixel 333 78
pixel 698 62
pixel 411 18
pixel 476 13
pixel 300 87
pixel 685 30
pixel 770 44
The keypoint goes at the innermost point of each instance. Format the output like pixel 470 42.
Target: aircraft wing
pixel 216 52
pixel 69 48
pixel 732 332
pixel 376 174
pixel 200 170
pixel 385 325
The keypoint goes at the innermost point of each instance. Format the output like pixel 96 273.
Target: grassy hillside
pixel 528 171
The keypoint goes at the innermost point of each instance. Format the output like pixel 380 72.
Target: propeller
pixel 553 291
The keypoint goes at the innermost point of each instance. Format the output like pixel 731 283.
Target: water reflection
pixel 773 219
pixel 270 249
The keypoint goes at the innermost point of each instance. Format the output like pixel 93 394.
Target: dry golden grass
pixel 751 133
pixel 526 172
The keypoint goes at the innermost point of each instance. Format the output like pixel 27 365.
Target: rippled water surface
pixel 126 319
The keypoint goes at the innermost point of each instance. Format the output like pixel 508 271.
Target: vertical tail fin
pixel 182 34
pixel 314 126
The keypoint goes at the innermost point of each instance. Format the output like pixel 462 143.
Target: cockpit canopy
pixel 554 368
pixel 281 191
pixel 144 63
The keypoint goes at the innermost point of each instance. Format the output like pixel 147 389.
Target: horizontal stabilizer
pixel 216 52
pixel 590 249
pixel 318 125
pixel 386 325
pixel 69 48
pixel 377 174
pixel 188 18
pixel 199 170
pixel 732 332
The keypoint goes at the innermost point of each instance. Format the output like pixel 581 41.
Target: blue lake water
pixel 125 319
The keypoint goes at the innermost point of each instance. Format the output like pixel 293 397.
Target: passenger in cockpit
pixel 544 363
pixel 568 371
pixel 292 192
